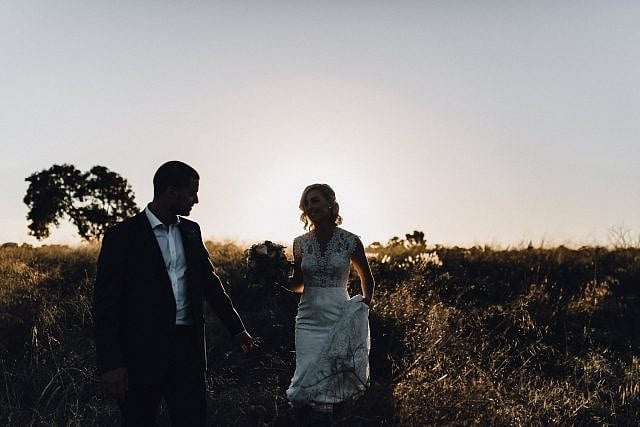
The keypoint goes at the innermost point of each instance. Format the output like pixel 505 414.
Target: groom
pixel 152 276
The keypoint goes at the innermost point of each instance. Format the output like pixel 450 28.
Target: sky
pixel 476 122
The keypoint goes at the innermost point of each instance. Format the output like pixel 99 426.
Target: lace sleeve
pixel 353 242
pixel 297 250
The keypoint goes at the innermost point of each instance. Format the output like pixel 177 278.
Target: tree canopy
pixel 93 201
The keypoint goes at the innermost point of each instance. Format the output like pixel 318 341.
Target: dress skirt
pixel 332 348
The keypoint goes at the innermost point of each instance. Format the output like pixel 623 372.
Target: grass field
pixel 460 336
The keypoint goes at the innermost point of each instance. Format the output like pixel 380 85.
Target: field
pixel 460 336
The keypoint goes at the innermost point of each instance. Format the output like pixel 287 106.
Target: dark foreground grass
pixel 460 336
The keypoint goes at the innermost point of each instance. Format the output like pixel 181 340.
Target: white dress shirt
pixel 170 242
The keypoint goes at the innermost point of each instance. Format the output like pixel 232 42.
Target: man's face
pixel 186 197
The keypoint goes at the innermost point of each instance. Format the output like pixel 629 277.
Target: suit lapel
pixel 150 246
pixel 190 243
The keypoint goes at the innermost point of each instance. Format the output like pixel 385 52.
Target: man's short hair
pixel 175 173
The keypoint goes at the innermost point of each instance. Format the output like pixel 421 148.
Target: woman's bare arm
pixel 363 269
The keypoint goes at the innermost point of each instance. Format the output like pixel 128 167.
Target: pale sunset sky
pixel 477 122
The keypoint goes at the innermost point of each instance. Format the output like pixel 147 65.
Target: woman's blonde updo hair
pixel 328 194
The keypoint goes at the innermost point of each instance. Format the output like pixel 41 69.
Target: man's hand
pixel 245 341
pixel 116 383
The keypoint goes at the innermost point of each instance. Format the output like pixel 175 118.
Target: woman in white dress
pixel 332 329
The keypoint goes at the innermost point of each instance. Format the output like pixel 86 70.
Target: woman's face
pixel 316 206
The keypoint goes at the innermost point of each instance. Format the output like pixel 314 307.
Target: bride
pixel 332 330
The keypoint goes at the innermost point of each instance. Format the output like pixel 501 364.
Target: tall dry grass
pixel 513 337
pixel 460 336
pixel 45 349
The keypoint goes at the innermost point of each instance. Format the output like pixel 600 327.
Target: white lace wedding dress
pixel 332 330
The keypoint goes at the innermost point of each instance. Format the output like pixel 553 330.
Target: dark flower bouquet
pixel 267 266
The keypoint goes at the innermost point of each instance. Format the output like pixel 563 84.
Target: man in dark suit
pixel 152 277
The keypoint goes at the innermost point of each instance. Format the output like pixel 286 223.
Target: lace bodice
pixel 329 269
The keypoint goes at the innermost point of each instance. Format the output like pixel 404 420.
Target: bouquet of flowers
pixel 267 266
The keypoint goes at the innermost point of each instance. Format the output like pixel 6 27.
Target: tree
pixel 416 238
pixel 93 201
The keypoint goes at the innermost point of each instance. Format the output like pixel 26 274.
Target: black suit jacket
pixel 134 307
